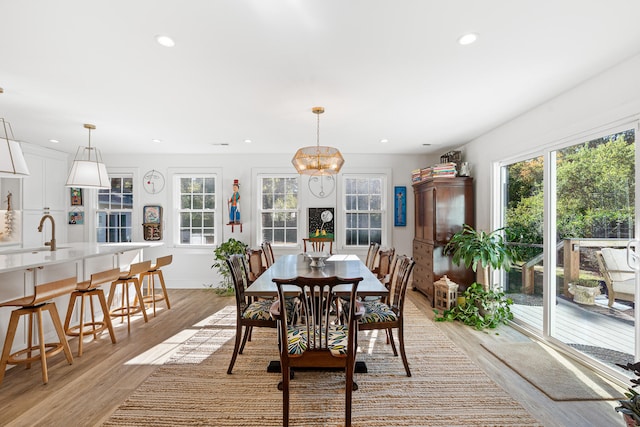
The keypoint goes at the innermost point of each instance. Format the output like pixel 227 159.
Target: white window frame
pixel 175 174
pixel 134 197
pixel 259 176
pixel 385 176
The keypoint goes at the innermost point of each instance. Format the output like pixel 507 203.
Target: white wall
pixel 607 98
pixel 191 267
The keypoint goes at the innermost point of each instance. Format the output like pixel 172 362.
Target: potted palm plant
pixel 484 306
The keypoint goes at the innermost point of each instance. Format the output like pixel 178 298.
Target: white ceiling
pixel 253 69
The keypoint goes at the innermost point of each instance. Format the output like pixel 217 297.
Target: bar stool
pixel 151 297
pixel 126 278
pixel 33 306
pixel 88 289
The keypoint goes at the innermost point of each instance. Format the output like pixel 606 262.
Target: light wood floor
pixel 87 392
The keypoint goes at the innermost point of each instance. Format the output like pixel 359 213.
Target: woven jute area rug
pixel 446 389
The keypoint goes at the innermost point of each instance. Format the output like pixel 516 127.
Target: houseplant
pixel 489 250
pixel 222 252
pixel 630 407
pixel 483 306
pixel 584 291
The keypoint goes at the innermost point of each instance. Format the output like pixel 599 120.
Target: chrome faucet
pixel 52 243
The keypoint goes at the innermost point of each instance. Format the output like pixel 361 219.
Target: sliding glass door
pixel 564 209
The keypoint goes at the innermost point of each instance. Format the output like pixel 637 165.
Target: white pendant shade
pixel 87 170
pixel 88 174
pixel 12 163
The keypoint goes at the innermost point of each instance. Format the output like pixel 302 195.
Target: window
pixel 365 209
pixel 197 209
pixel 115 210
pixel 278 209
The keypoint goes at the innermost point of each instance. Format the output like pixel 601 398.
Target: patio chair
pixel 618 276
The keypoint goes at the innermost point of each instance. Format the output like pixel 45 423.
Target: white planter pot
pixel 583 294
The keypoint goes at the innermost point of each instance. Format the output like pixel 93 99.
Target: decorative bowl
pixel 317 258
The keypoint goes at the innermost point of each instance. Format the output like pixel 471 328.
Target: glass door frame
pixel 548 152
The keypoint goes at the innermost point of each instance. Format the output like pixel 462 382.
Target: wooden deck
pixel 576 324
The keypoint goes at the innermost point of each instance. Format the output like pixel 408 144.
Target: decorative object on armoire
pixel 233 207
pixel 153 182
pixel 318 160
pixel 465 169
pixel 400 207
pixel 152 222
pixel 442 206
pixel 87 170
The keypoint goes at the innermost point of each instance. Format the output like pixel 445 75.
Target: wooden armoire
pixel 442 206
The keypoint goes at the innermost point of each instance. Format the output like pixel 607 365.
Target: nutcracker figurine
pixel 233 204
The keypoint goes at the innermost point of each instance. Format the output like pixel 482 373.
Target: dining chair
pixel 249 313
pixel 385 260
pixel 318 340
pixel 254 260
pixel 389 315
pixel 269 259
pixel 317 244
pixel 370 260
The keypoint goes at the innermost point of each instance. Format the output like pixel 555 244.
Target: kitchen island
pixel 23 269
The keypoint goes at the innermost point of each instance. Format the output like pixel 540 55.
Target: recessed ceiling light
pixel 221 144
pixel 53 141
pixel 156 140
pixel 467 39
pixel 426 145
pixel 165 41
pixel 248 141
pixel 384 141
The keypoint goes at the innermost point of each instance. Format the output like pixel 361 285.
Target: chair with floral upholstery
pixel 318 341
pixel 387 316
pixel 250 313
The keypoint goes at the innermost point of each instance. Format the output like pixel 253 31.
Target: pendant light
pixel 12 163
pixel 87 170
pixel 318 160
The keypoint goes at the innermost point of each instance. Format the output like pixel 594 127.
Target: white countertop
pixel 20 259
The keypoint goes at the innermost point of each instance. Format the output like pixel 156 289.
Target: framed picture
pixel 400 206
pixel 76 217
pixel 76 196
pixel 321 223
pixel 152 214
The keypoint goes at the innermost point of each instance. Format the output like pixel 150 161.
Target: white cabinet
pixel 44 187
pixel 44 190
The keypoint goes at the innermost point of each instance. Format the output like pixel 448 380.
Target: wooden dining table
pixel 291 266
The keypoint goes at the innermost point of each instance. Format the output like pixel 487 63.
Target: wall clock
pixel 153 182
pixel 322 186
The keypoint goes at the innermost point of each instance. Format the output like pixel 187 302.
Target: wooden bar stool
pixel 33 306
pixel 88 289
pixel 152 296
pixel 126 278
